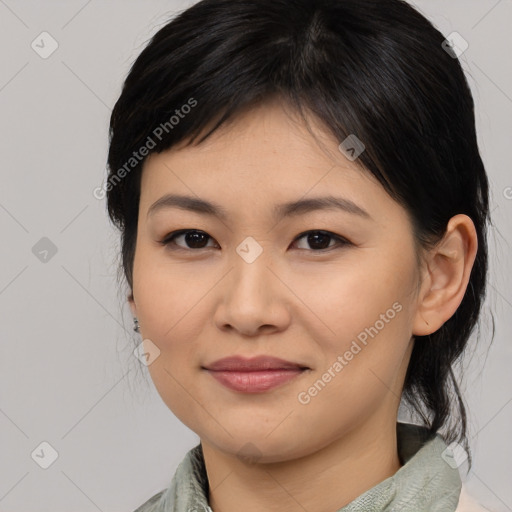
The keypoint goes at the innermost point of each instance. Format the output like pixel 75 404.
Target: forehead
pixel 256 142
pixel 261 157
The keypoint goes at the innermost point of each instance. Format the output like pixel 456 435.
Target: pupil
pixel 313 237
pixel 192 239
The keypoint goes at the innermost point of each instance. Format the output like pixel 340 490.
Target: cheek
pixel 344 299
pixel 363 315
pixel 166 294
pixel 174 318
pixel 361 361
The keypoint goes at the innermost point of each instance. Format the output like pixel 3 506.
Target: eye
pixel 319 239
pixel 196 239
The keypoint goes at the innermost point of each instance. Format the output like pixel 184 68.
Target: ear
pixel 446 276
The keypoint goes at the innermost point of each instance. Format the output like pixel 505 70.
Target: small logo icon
pixel 44 250
pixel 507 192
pixel 146 352
pixel 455 45
pixel 44 455
pixel 454 455
pixel 352 147
pixel 249 453
pixel 249 249
pixel 44 45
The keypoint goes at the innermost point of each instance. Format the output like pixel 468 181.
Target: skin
pixel 294 301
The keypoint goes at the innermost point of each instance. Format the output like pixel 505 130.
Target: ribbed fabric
pixel 426 482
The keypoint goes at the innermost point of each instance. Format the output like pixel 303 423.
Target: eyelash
pixel 169 239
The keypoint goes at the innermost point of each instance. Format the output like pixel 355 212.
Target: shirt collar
pixel 428 480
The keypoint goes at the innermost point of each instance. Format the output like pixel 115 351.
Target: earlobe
pixel 449 267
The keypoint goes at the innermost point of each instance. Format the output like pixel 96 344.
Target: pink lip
pixel 253 375
pixel 254 381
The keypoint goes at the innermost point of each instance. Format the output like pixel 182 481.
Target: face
pixel 330 289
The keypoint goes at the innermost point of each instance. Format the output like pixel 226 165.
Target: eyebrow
pixel 289 209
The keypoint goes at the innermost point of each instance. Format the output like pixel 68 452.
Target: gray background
pixel 67 372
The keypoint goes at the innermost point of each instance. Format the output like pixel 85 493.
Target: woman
pixel 303 213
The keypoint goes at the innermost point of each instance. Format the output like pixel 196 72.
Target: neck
pixel 339 473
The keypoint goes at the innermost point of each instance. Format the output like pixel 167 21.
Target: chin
pixel 256 446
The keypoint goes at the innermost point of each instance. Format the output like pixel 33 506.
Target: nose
pixel 252 299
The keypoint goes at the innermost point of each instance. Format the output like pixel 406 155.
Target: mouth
pixel 254 375
pixel 260 363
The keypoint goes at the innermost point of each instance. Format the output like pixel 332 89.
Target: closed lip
pixel 254 364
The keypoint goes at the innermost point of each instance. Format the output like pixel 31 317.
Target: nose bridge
pixel 251 275
pixel 250 296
